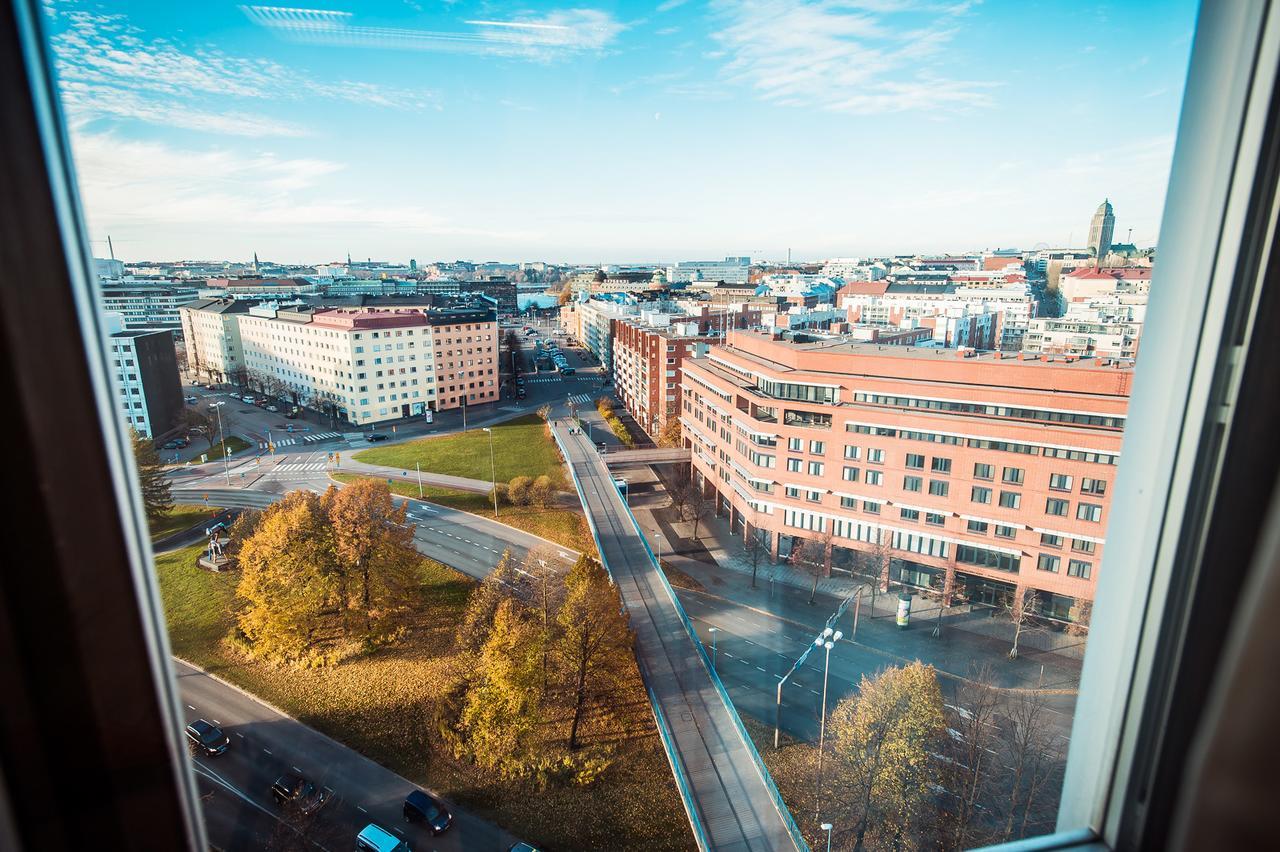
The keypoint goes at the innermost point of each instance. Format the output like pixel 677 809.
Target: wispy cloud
pixel 668 5
pixel 554 35
pixel 875 56
pixel 108 68
pixel 140 185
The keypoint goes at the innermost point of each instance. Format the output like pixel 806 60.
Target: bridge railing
pixel 783 810
pixel 659 718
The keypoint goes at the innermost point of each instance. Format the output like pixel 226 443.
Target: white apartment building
pixel 371 365
pixel 145 368
pixel 147 304
pixel 732 270
pixel 211 335
pixel 1106 327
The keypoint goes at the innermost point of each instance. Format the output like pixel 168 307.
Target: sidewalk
pixel 968 637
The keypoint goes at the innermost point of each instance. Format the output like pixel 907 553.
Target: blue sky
pixel 615 132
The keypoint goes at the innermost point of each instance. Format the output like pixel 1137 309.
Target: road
pixel 234 787
pixel 727 796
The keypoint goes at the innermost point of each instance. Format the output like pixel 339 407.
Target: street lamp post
pixel 493 470
pixel 418 465
pixel 826 641
pixel 714 655
pixel 826 826
pixel 222 438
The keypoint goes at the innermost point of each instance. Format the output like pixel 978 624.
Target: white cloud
pixel 554 35
pixel 874 56
pixel 108 68
pixel 155 190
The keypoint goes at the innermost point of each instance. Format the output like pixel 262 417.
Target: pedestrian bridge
pixel 655 455
pixel 731 801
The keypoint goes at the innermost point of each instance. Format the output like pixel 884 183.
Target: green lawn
pixel 381 703
pixel 183 516
pixel 563 526
pixel 235 446
pixel 520 448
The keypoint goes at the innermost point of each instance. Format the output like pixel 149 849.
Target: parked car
pixel 375 436
pixel 247 398
pixel 522 847
pixel 272 409
pixel 176 444
pixel 192 400
pixel 207 737
pixel 292 789
pixel 520 380
pixel 373 838
pixel 420 807
pixel 520 393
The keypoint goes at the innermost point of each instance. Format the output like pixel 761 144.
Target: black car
pixel 294 790
pixel 419 807
pixel 207 737
pixel 375 436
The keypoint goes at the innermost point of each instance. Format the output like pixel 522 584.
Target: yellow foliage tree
pixel 595 636
pixel 883 738
pixel 289 579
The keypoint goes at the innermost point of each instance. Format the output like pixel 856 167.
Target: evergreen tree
pixel 156 497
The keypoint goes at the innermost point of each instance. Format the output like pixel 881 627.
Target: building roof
pixel 921 289
pixel 864 288
pixel 221 306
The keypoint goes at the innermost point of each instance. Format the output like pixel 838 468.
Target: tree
pixel 595 636
pixel 884 738
pixel 669 434
pixel 1033 753
pixel 1021 609
pixel 972 756
pixel 157 500
pixel 563 297
pixel 202 422
pixel 289 578
pixel 483 603
pixel 373 547
pixel 500 716
pixel 693 505
pixel 518 490
pixel 542 493
pixel 241 530
pixel 546 593
pixel 238 375
pixel 877 561
pixel 754 547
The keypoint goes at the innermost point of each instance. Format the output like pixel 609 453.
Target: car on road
pixel 520 393
pixel 272 409
pixel 207 737
pixel 375 436
pixel 420 807
pixel 192 400
pixel 175 444
pixel 373 838
pixel 294 790
pixel 520 380
pixel 522 847
pixel 247 398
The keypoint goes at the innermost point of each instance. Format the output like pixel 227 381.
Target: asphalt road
pixel 235 786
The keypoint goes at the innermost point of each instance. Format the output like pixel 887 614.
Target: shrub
pixel 518 490
pixel 542 492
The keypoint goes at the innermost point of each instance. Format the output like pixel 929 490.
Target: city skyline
pixel 618 133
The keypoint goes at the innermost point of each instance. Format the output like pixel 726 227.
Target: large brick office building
pixel 979 475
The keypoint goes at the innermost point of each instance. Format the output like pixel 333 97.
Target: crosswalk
pixel 298 467
pixel 537 379
pixel 306 439
pixel 580 398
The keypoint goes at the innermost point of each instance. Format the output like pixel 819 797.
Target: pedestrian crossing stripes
pixel 544 379
pixel 580 398
pixel 322 436
pixel 279 442
pixel 295 467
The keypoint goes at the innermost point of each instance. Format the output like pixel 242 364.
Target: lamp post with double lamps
pixel 826 640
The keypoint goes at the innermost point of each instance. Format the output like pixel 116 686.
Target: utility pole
pixel 493 472
pixel 418 465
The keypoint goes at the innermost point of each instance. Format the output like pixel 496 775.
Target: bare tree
pixel 876 561
pixel 753 547
pixel 813 557
pixel 200 422
pixel 695 507
pixel 238 375
pixel 1021 609
pixel 542 576
pixel 1034 752
pixel 972 755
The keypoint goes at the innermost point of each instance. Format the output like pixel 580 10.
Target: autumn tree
pixel 545 593
pixel 373 547
pixel 483 603
pixel 501 713
pixel 289 579
pixel 595 637
pixel 157 500
pixel 241 530
pixel 669 434
pixel 884 738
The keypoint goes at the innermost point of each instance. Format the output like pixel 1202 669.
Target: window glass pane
pixel 323 235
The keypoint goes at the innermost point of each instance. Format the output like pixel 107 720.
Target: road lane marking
pixel 268 751
pixel 361 809
pixel 240 735
pixel 297 770
pixel 189 707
